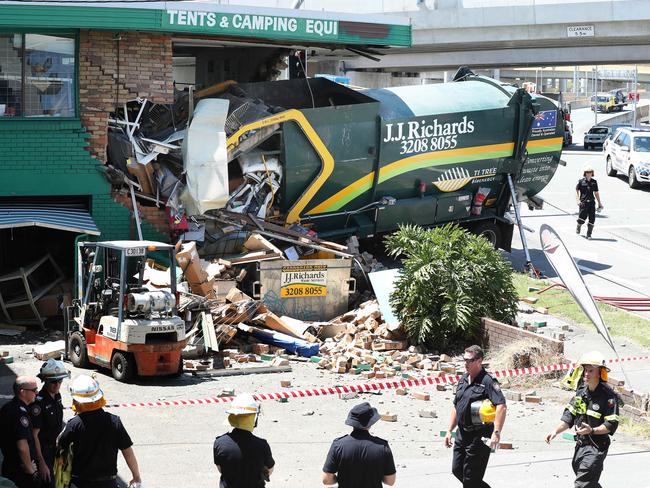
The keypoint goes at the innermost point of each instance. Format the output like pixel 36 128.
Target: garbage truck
pixel 344 161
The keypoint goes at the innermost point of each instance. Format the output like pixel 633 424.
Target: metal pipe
pixel 515 205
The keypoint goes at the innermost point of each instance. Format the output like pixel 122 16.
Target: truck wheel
pixel 631 178
pixel 608 167
pixel 490 231
pixel 587 147
pixel 122 366
pixel 78 350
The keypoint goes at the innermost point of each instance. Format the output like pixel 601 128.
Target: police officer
pixel 17 438
pixel 359 459
pixel 476 420
pixel 47 417
pixel 243 459
pixel 593 411
pixel 586 196
pixel 96 437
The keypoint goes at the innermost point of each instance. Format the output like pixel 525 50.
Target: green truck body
pixel 362 162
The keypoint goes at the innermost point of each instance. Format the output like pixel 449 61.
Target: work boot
pixel 590 229
pixel 578 227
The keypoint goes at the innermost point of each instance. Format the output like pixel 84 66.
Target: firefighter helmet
pixel 85 389
pixel 244 404
pixel 482 412
pixel 593 358
pixel 53 370
pixel 588 168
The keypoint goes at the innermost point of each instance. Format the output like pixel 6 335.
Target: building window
pixel 37 75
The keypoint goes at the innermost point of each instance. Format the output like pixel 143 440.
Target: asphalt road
pixel 616 262
pixel 173 445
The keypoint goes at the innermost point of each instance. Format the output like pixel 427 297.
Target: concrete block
pixel 427 414
pixel 285 383
pixel 401 391
pixel 533 399
pixel 513 396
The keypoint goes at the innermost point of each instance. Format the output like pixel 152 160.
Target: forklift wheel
pixel 122 366
pixel 77 350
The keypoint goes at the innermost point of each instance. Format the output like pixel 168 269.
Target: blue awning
pixel 60 216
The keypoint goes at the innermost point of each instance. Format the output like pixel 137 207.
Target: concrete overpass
pixel 449 35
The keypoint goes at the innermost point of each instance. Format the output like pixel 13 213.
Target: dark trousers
pixel 470 460
pixel 48 454
pixel 587 211
pixel 23 480
pixel 588 465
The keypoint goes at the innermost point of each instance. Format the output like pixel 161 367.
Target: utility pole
pixel 596 95
pixel 636 71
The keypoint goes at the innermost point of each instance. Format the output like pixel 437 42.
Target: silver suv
pixel 596 136
pixel 629 153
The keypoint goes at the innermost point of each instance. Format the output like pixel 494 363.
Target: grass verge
pixel 561 304
pixel 637 429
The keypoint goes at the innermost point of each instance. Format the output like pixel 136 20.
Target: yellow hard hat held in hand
pixel 483 412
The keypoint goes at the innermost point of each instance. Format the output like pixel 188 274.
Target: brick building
pixel 66 66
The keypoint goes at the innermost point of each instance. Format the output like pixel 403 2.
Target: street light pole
pixel 596 95
pixel 634 91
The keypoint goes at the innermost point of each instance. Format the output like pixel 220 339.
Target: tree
pixel 450 279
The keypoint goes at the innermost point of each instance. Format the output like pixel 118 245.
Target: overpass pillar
pixel 496 74
pixel 563 83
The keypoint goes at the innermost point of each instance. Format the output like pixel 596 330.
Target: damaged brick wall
pixel 497 334
pixel 145 71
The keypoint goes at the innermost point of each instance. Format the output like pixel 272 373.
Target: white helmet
pixel 53 370
pixel 593 358
pixel 244 404
pixel 587 168
pixel 85 389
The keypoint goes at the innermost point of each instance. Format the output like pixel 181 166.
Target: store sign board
pixel 251 24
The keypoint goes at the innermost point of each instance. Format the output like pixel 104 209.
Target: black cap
pixel 362 416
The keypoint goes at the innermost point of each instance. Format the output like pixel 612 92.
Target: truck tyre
pixel 78 351
pixel 122 366
pixel 631 178
pixel 587 147
pixel 609 168
pixel 490 231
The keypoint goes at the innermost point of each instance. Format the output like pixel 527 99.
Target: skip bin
pixel 306 289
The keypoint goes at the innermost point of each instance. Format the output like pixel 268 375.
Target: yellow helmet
pixel 483 412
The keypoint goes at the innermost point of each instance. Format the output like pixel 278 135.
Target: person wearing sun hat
pixel 96 436
pixel 359 459
pixel 593 411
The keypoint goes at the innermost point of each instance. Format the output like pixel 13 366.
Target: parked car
pixel 629 153
pixel 596 136
pixel 613 133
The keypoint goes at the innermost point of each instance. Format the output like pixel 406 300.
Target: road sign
pixel 580 31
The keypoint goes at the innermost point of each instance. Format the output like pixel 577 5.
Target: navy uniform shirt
pixel 95 437
pixel 360 460
pixel 46 414
pixel 587 188
pixel 15 425
pixel 594 408
pixel 483 386
pixel 242 458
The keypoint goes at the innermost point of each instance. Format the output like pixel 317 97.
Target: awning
pixel 61 216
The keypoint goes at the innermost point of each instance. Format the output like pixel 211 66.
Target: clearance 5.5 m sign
pixel 304 281
pixel 252 24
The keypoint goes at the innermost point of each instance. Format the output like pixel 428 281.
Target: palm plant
pixel 450 279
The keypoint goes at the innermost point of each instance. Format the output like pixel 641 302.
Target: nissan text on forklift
pixel 117 321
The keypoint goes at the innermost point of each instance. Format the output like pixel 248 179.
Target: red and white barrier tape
pixel 365 387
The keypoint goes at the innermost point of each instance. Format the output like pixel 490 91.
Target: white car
pixel 629 153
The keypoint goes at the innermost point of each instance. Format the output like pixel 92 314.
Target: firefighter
pixel 17 438
pixel 593 412
pixel 586 196
pixel 243 459
pixel 47 417
pixel 479 412
pixel 95 436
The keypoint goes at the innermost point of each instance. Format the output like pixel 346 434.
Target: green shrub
pixel 450 279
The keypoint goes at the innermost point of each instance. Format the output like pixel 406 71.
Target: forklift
pixel 118 322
